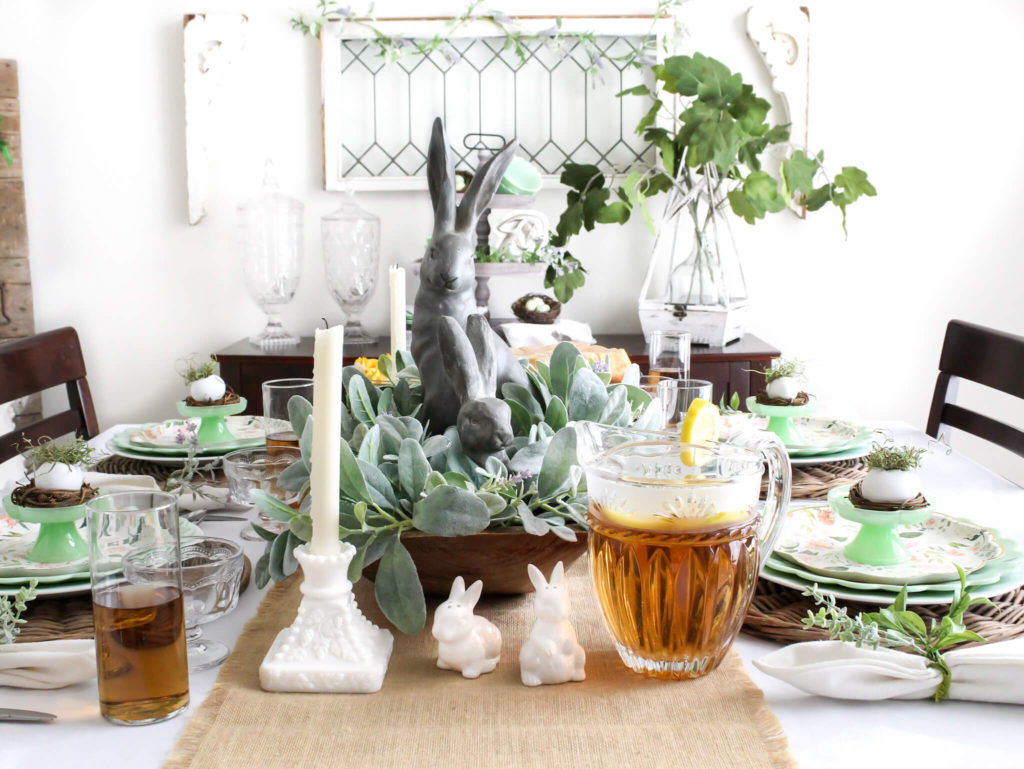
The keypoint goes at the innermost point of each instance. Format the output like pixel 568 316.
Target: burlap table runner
pixel 431 718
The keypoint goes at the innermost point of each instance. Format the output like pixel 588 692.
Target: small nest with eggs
pixel 858 500
pixel 229 397
pixel 801 399
pixel 534 316
pixel 31 496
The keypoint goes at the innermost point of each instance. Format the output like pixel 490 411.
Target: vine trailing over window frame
pixel 331 15
pixel 5 149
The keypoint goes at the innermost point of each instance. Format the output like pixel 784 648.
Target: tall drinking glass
pixel 676 395
pixel 250 469
pixel 669 354
pixel 276 425
pixel 141 663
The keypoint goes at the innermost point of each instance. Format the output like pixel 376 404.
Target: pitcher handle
pixel 780 479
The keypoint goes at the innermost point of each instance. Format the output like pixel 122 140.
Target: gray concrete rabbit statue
pixel 448 278
pixel 484 421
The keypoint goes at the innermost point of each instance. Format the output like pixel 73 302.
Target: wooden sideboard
pixel 245 366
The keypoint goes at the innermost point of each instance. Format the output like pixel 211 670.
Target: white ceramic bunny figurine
pixel 467 643
pixel 551 655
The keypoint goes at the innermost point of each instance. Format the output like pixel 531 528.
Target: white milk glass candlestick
pixel 328 349
pixel 397 278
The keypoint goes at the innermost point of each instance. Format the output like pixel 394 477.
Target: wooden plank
pixel 10 129
pixel 13 224
pixel 14 270
pixel 16 310
pixel 8 78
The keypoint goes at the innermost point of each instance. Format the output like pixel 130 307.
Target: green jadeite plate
pixel 814 538
pixel 1011 580
pixel 826 435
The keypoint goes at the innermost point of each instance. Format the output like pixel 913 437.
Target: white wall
pixel 917 93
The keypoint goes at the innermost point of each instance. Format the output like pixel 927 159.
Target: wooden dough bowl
pixel 499 558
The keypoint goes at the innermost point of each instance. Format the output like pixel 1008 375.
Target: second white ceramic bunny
pixel 551 655
pixel 467 643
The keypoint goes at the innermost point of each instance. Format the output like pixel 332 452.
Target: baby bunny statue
pixel 448 276
pixel 551 655
pixel 467 643
pixel 484 421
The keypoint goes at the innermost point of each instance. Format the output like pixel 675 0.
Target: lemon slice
pixel 701 424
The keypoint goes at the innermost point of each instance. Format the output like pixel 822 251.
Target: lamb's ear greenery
pixel 396 477
pixel 11 610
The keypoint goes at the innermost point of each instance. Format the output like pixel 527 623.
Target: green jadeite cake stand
pixel 212 428
pixel 877 543
pixel 780 418
pixel 58 540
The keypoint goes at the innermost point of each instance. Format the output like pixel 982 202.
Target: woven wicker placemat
pixel 815 481
pixel 124 466
pixel 55 618
pixel 776 613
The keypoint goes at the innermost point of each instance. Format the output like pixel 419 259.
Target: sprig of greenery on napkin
pixel 897 627
pixel 11 610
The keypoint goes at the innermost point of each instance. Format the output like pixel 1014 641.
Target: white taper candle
pixel 397 278
pixel 328 351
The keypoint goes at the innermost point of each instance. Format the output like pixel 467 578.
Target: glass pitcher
pixel 677 536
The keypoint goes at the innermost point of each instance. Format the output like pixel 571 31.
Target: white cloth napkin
pixel 540 334
pixel 212 496
pixel 987 673
pixel 47 664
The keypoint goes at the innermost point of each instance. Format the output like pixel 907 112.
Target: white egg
pixel 209 388
pixel 784 388
pixel 892 486
pixel 57 476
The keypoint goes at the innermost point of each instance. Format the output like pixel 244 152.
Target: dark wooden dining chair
pixel 986 356
pixel 36 363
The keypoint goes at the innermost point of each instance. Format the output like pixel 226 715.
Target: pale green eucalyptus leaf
pixel 299 411
pixel 413 468
pixel 371 450
pixel 449 511
pixel 272 506
pixel 435 445
pixel 398 590
pixel 555 415
pixel 359 401
pixel 353 486
pixel 302 527
pixel 294 477
pixel 555 472
pixel 306 442
pixel 434 480
pixel 261 571
pixel 587 397
pixel 562 367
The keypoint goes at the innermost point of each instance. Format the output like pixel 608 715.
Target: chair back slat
pixel 51 427
pixel 36 363
pixel 986 356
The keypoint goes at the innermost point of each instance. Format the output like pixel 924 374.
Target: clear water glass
pixel 250 469
pixel 277 427
pixel 668 354
pixel 676 395
pixel 211 575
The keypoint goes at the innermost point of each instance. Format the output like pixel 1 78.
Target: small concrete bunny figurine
pixel 467 643
pixel 484 421
pixel 448 275
pixel 551 655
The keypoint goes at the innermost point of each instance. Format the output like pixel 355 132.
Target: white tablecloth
pixel 822 732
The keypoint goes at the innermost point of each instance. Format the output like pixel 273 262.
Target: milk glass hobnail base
pixel 331 646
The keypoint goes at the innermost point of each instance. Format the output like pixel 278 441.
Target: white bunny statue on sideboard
pixel 467 643
pixel 551 655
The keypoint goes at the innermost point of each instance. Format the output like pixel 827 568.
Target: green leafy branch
pixel 884 457
pixel 712 152
pixel 11 610
pixel 5 149
pixel 392 48
pixel 47 451
pixel 897 627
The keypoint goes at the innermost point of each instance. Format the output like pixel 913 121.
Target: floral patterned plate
pixel 826 435
pixel 176 433
pixel 17 538
pixel 814 538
